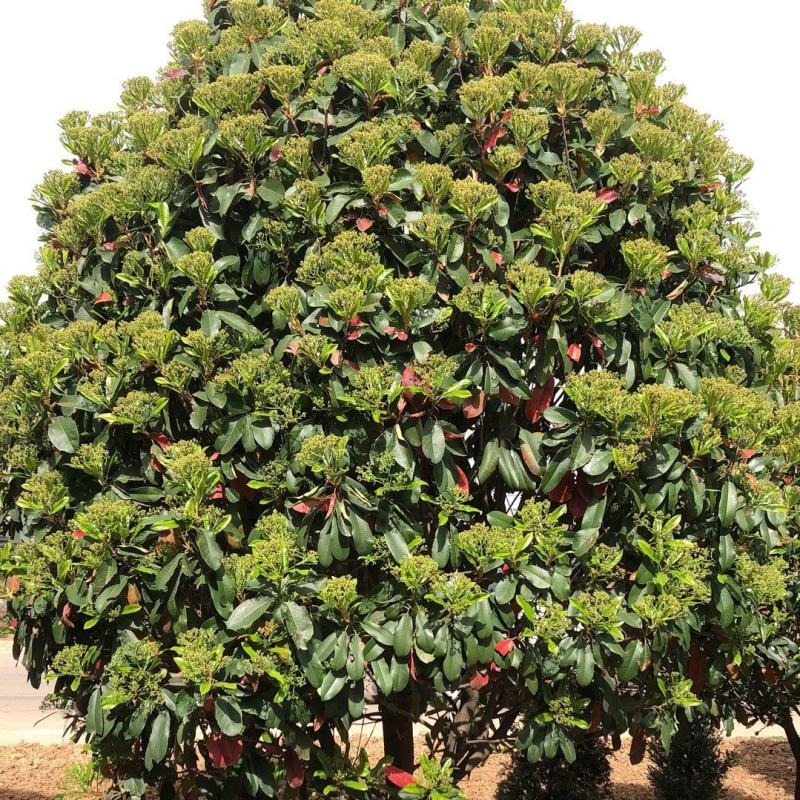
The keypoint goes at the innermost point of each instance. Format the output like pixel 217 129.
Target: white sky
pixel 737 57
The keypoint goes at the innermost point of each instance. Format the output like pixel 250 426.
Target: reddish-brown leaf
pixel 397 777
pixel 607 196
pixel 224 751
pixel 363 224
pixel 463 481
pixel 637 745
pixel 475 406
pixel 295 772
pixel 541 400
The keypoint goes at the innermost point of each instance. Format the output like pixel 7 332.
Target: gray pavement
pixel 21 719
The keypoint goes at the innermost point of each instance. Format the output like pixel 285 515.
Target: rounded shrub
pixel 587 778
pixel 390 361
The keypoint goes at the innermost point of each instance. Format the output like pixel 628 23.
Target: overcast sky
pixel 738 59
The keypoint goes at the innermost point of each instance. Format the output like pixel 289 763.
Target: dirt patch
pixel 765 772
pixel 35 772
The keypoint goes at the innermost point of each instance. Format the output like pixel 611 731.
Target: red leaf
pixel 463 481
pixel 275 153
pixel 111 246
pixel 470 347
pixel 514 185
pixel 78 534
pixel 218 492
pixel 295 772
pixel 319 721
pixel 81 168
pixel 409 377
pixel 305 506
pixel 383 211
pixel 162 440
pixel 711 187
pixel 363 224
pixel 177 73
pixel 224 751
pixel 398 777
pixel 697 668
pixel 475 406
pixel 504 646
pixel 746 455
pixel 353 335
pixel 541 400
pixel 574 352
pixel 103 297
pixel 607 196
pixel 508 397
pixel 65 613
pixel 497 133
pixel 331 505
pixel 564 490
pixel 498 258
pixel 478 680
pixel 637 745
pixel 577 506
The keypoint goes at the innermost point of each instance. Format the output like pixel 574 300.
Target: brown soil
pixel 765 772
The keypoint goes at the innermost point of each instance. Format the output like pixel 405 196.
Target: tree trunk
pixel 398 731
pixel 794 743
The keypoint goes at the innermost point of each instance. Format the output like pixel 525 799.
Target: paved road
pixel 22 720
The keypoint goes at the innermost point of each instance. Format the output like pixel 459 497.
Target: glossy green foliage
pixel 394 357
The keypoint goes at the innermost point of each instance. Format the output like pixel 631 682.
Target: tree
pixel 391 363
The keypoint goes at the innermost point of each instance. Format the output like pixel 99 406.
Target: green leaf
pixel 382 674
pixel 489 461
pixel 271 191
pixel 616 220
pixel 298 624
pixel 725 608
pixel 554 474
pixel 247 614
pixel 430 143
pixel 585 666
pixel 631 661
pixel 231 437
pixel 728 504
pixel 335 208
pixel 402 635
pixel 63 433
pixel 209 549
pixel 158 742
pixel 228 715
pixel 433 442
pixel 453 660
pixel 727 552
pixel 331 686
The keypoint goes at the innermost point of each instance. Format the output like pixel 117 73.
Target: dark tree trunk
pixel 794 743
pixel 398 731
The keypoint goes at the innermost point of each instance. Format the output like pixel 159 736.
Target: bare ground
pixel 765 772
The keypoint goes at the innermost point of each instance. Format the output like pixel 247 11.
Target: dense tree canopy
pixel 391 361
